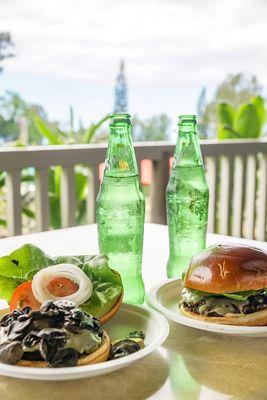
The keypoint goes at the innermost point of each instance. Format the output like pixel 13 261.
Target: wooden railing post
pixel 67 197
pixel 250 197
pixel 93 188
pixel 211 174
pixel 13 203
pixel 262 197
pixel 160 177
pixel 42 200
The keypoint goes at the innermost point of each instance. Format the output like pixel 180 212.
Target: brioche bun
pixel 227 269
pixel 99 355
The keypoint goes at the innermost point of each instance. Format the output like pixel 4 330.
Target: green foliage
pixel 12 108
pixel 234 90
pixel 246 121
pixel 226 114
pixel 226 118
pixel 56 137
pixel 154 128
pixel 13 111
pixel 91 131
pixel 5 43
pixel 258 102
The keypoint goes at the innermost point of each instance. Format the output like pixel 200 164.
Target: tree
pixel 235 90
pixel 154 128
pixel 5 43
pixel 201 106
pixel 121 98
pixel 13 112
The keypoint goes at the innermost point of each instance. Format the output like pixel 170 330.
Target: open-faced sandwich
pixel 29 277
pixel 227 284
pixel 59 334
pixel 58 305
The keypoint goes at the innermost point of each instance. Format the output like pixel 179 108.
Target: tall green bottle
pixel 187 198
pixel 120 209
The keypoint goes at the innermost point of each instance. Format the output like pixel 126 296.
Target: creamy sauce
pixel 83 342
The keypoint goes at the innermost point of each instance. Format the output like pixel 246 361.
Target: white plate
pixel 164 297
pixel 128 318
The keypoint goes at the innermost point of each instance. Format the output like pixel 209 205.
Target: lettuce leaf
pixel 241 296
pixel 22 261
pixel 22 264
pixel 107 284
pixel 7 287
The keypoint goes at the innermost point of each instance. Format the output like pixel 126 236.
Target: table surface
pixel 191 364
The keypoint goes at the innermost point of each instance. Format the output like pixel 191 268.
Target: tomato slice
pixel 62 287
pixel 23 296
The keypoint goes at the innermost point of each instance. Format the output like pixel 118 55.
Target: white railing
pixel 236 173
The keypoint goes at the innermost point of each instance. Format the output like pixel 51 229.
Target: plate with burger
pixel 224 290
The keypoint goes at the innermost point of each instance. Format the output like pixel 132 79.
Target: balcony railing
pixel 236 174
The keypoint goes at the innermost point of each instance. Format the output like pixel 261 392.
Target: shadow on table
pixel 232 365
pixel 136 382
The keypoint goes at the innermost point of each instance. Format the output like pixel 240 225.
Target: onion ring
pixel 69 271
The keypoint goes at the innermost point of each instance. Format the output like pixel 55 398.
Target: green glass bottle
pixel 187 198
pixel 120 209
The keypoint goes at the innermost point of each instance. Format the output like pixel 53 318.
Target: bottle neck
pixel 187 150
pixel 120 160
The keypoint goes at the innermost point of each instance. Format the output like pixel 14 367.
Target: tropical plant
pixel 14 111
pixel 235 90
pixel 41 131
pixel 246 121
pixel 55 136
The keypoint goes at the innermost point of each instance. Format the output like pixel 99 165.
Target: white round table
pixel 191 365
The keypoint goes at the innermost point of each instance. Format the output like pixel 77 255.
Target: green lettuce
pixel 23 261
pixel 106 282
pixel 22 264
pixel 241 296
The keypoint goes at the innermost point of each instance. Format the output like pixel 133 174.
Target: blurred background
pixel 63 61
pixel 65 65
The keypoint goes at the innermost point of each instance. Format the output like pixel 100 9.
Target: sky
pixel 68 52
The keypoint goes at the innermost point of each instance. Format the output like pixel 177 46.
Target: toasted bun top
pixel 228 269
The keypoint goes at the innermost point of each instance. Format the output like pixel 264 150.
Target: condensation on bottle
pixel 187 198
pixel 120 209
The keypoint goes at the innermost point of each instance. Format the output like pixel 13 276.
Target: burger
pixel 226 284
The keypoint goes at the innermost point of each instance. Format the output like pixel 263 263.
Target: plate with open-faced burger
pixel 63 318
pixel 224 290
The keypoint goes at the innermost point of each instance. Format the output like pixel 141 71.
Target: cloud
pixel 164 42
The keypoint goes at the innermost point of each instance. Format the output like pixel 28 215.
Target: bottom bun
pixel 98 356
pixel 258 318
